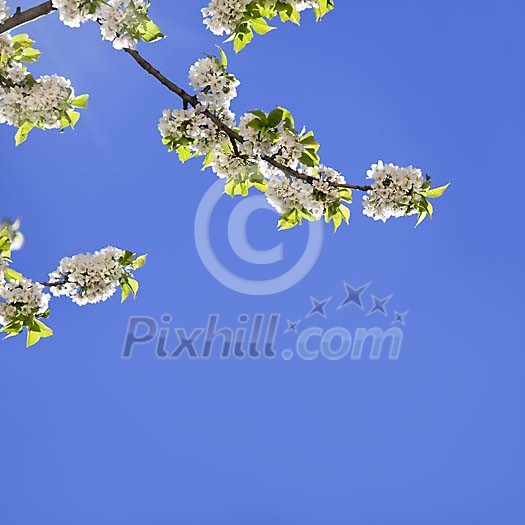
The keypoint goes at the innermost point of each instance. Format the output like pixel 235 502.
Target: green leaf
pixel 435 193
pixel 309 158
pixel 13 328
pixel 242 38
pixel 30 55
pixel 73 117
pixel 426 206
pixel 23 40
pixel 275 118
pixel 125 291
pixel 80 102
pixel 139 262
pixel 36 331
pixel 287 116
pixel 259 113
pixel 5 244
pixel 12 275
pixel 289 219
pixel 260 26
pixel 224 58
pixel 337 213
pixel 184 153
pixel 45 331
pixel 149 31
pixel 32 337
pixel 23 132
pixel 134 285
pixel 345 212
pixel 325 6
pixel 128 286
pixel 345 194
pixel 421 217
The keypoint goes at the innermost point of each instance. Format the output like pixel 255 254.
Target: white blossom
pixel 75 12
pixel 89 278
pixel 314 195
pixel 42 102
pixel 192 128
pixel 215 86
pixel 22 299
pixel 282 143
pixel 223 16
pixel 4 11
pixel 118 19
pixel 301 5
pixel 394 193
pixel 11 71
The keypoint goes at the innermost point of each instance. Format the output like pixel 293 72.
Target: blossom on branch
pixel 26 102
pixel 94 278
pixel 123 22
pixel 240 19
pixel 399 192
pixel 22 304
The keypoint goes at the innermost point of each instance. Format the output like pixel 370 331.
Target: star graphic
pixel 318 307
pixel 379 305
pixel 353 295
pixel 292 326
pixel 399 318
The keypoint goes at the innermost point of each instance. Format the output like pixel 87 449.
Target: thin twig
pixel 232 134
pixel 55 285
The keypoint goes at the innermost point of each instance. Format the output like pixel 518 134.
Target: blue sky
pixel 434 437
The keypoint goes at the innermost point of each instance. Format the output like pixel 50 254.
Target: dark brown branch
pixel 23 17
pixel 232 134
pixel 146 66
pixel 55 285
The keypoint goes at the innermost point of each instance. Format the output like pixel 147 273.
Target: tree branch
pixel 232 134
pixel 33 13
pixel 53 285
pixel 23 17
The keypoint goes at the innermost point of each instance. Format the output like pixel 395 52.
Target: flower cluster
pixel 215 87
pixel 263 150
pixel 43 102
pixel 26 102
pixel 396 192
pixel 4 11
pixel 224 16
pixel 315 194
pixel 21 300
pixel 277 140
pixel 241 19
pixel 88 278
pixel 12 71
pixel 75 12
pixel 191 131
pixel 122 22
